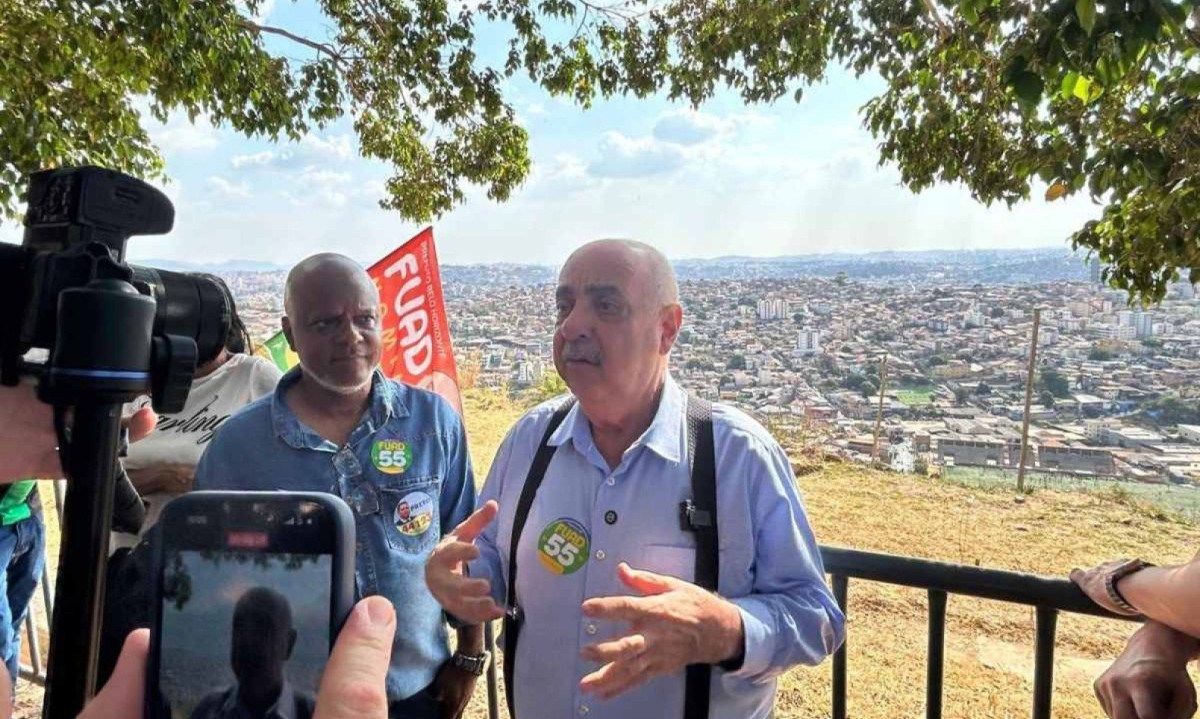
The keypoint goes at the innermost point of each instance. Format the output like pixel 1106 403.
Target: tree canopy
pixel 1100 97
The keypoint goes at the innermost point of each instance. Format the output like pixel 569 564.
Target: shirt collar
pixel 664 436
pixel 386 402
pixel 283 708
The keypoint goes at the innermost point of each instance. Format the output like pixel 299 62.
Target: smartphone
pixel 251 592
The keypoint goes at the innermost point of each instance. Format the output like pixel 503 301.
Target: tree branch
pixel 319 47
pixel 932 11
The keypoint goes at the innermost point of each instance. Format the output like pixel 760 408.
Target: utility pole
pixel 879 412
pixel 1033 342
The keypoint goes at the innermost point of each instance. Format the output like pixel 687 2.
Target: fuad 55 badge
pixel 563 546
pixel 391 456
pixel 414 513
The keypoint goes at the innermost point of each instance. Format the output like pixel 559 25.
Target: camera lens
pixel 190 306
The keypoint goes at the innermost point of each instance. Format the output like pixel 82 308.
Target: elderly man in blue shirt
pixel 395 453
pixel 606 595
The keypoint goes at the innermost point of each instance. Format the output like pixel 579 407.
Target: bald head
pixel 319 269
pixel 618 315
pixel 331 320
pixel 657 277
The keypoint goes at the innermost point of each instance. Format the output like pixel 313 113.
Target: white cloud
pixel 692 127
pixel 629 157
pixel 258 158
pixel 311 150
pixel 229 189
pixel 179 135
pixel 326 187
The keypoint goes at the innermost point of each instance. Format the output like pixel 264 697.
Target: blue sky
pixel 724 179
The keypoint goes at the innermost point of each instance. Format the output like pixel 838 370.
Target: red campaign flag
pixel 416 333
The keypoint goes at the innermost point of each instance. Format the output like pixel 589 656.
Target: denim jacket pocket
pixel 411 511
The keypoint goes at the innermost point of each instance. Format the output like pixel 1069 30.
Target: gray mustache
pixel 573 352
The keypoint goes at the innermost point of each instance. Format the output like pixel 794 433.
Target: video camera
pixel 114 332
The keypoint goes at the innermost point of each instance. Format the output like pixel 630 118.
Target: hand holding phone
pixel 359 660
pixel 252 589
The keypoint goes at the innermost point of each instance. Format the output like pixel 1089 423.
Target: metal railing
pixel 35 671
pixel 1047 596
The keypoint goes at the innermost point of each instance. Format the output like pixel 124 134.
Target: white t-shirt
pixel 181 438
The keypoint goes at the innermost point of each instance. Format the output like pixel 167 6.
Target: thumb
pixel 125 693
pixel 474 525
pixel 141 423
pixel 353 686
pixel 1077 575
pixel 643 582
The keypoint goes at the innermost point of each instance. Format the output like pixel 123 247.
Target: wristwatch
pixel 1116 575
pixel 472 664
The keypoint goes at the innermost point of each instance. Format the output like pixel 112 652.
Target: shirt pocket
pixel 411 513
pixel 670 560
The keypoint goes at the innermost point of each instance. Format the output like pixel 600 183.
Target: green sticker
pixel 563 546
pixel 391 456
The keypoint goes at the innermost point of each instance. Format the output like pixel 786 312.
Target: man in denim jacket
pixel 395 453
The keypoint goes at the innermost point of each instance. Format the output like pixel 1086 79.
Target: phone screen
pixel 243 617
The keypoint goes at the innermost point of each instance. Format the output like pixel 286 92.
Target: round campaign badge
pixel 414 513
pixel 563 546
pixel 391 456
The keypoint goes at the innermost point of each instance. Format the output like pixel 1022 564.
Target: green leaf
pixel 1085 10
pixel 1068 84
pixel 1028 87
pixel 1083 89
pixel 969 12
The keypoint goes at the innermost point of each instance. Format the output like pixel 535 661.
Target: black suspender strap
pixel 700 516
pixel 514 618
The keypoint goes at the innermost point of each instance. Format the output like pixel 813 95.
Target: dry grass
pixel 989 645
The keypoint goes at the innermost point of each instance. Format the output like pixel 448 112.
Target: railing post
pixel 1043 662
pixel 937 654
pixel 493 697
pixel 841 587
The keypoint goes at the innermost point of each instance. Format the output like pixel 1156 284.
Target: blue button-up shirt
pixel 587 518
pixel 404 471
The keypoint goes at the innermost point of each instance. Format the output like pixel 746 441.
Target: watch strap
pixel 1116 575
pixel 473 664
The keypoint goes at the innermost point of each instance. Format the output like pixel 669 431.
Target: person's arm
pixel 492 562
pixel 468 558
pixel 173 478
pixel 1170 595
pixel 790 617
pixel 28 445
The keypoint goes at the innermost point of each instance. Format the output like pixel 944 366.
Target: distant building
pixel 808 341
pixel 973 317
pixel 1115 434
pixel 772 309
pixel 1080 460
pixel 1114 332
pixel 982 452
pixel 1143 324
pixel 1190 432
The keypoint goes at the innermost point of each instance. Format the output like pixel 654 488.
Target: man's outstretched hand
pixel 469 600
